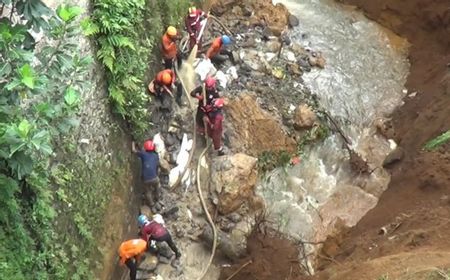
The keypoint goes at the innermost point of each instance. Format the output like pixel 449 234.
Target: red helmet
pixel 149 146
pixel 210 82
pixel 218 103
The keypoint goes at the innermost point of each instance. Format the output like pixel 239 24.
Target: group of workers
pixel 209 119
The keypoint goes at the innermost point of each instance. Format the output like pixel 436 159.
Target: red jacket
pixel 193 23
pixel 153 229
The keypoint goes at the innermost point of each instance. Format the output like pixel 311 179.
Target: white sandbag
pixel 160 147
pixel 205 68
pixel 173 175
pixel 158 218
pixel 222 79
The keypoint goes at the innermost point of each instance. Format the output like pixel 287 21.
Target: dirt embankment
pixel 412 215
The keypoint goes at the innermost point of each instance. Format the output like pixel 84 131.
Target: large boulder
pixel 233 178
pixel 304 117
pixel 253 130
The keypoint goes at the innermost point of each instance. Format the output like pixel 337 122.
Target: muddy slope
pixel 414 209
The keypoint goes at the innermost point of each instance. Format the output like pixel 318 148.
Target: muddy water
pixel 362 81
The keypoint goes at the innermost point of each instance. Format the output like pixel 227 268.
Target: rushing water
pixel 362 80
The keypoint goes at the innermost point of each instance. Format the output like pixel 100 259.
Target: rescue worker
pixel 211 93
pixel 162 87
pixel 218 52
pixel 149 172
pixel 155 230
pixel 214 119
pixel 193 26
pixel 169 47
pixel 130 253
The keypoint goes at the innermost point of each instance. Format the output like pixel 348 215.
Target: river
pixel 363 80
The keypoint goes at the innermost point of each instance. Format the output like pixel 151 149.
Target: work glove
pixel 199 97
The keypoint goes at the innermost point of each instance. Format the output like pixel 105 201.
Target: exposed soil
pixel 415 208
pixel 271 258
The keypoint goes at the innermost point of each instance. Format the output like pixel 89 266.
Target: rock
pixel 235 185
pixel 236 11
pixel 251 59
pixel 304 64
pixel 289 56
pixel 225 244
pixel 273 46
pixel 253 130
pixel 298 49
pixel 249 43
pixel 304 117
pixel 293 21
pixel 227 226
pixel 316 59
pixel 235 217
pixel 145 210
pixel 247 11
pixel 276 30
pixel 149 263
pixel 294 69
pixel 164 165
pixel 393 157
pixel 236 57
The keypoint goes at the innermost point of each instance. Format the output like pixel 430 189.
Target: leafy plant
pixel 269 160
pixel 39 98
pixel 127 32
pixel 438 141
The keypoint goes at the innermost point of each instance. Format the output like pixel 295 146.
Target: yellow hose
pixel 208 216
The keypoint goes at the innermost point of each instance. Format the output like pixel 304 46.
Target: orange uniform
pixel 132 248
pixel 215 48
pixel 169 48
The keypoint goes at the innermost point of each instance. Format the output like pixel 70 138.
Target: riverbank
pixel 414 209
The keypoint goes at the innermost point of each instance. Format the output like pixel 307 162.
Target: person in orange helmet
pixel 218 52
pixel 130 253
pixel 169 47
pixel 162 87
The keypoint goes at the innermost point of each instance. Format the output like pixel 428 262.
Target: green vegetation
pixel 40 94
pixel 315 134
pixel 269 160
pixel 128 32
pixel 438 141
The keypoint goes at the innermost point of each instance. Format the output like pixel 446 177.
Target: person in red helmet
pixel 193 26
pixel 149 171
pixel 214 119
pixel 211 93
pixel 162 87
pixel 130 253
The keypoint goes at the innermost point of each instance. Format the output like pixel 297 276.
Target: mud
pixel 271 258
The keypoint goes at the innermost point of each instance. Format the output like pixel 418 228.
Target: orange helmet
pixel 166 78
pixel 171 31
